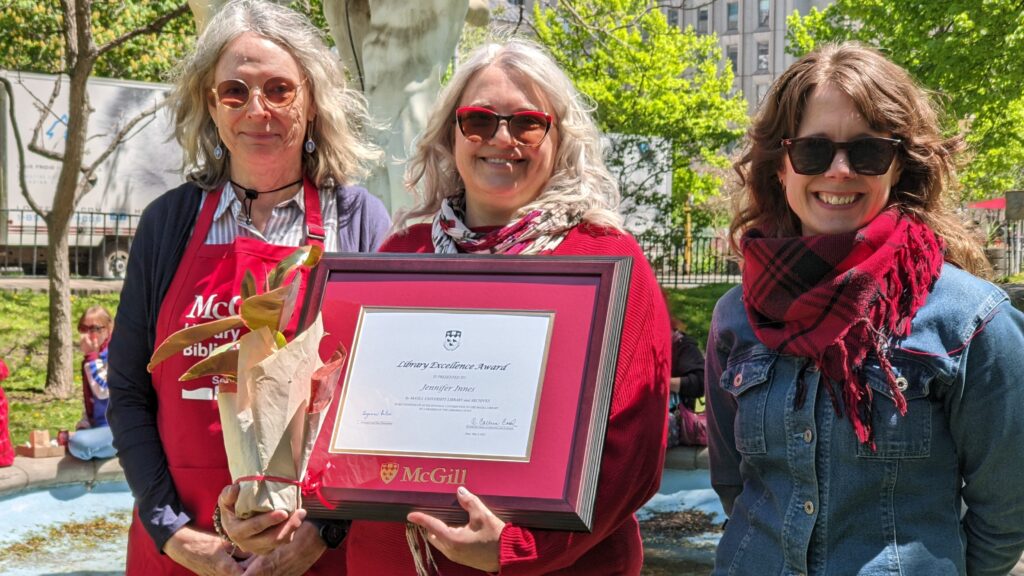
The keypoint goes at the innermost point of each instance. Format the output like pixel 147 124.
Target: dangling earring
pixel 218 150
pixel 309 146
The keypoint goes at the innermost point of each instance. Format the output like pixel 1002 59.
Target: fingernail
pixel 463 491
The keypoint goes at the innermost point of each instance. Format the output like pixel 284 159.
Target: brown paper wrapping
pixel 268 430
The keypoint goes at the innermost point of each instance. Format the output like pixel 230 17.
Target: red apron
pixel 205 287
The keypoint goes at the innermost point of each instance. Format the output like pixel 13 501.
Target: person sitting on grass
pixel 686 426
pixel 92 438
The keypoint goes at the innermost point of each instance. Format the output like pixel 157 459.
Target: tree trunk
pixel 80 54
pixel 59 369
pixel 59 365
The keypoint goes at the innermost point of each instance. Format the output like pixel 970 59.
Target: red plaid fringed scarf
pixel 835 298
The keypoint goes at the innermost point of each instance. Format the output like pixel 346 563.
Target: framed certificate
pixel 490 372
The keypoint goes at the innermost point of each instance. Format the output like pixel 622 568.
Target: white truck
pixel 140 169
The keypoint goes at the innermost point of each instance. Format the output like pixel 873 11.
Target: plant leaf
pixel 290 262
pixel 223 364
pixel 325 380
pixel 248 285
pixel 288 305
pixel 313 259
pixel 264 310
pixel 187 336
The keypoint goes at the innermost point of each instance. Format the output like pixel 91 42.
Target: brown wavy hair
pixel 891 101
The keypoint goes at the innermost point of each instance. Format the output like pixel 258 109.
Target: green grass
pixel 24 335
pixel 694 307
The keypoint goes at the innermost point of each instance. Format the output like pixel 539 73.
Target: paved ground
pixel 78 285
pixel 34 473
pixel 46 472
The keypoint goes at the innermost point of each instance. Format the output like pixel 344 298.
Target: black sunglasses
pixel 528 127
pixel 813 155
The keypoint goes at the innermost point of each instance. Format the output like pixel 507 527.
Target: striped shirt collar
pixel 229 200
pixel 285 227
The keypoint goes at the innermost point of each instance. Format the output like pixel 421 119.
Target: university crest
pixel 388 471
pixel 452 339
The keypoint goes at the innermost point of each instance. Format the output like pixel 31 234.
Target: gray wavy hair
pixel 343 152
pixel 580 183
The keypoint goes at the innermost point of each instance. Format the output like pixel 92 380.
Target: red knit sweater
pixel 633 447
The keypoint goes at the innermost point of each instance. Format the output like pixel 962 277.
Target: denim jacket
pixel 942 493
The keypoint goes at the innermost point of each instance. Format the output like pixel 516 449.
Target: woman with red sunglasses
pixel 273 146
pixel 510 163
pixel 863 384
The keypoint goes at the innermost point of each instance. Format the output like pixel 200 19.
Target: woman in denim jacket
pixel 865 388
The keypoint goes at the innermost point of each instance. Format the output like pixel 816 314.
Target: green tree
pixel 73 39
pixel 665 96
pixel 37 43
pixel 967 50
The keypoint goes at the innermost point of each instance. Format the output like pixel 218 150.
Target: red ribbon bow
pixel 311 485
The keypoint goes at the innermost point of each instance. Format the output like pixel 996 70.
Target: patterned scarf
pixel 835 298
pixel 538 232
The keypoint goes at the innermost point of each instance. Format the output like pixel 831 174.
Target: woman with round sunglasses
pixel 510 163
pixel 863 384
pixel 273 144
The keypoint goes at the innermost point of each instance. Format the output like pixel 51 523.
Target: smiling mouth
pixel 837 199
pixel 502 161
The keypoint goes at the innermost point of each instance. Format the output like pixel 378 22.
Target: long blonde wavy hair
pixel 580 183
pixel 343 152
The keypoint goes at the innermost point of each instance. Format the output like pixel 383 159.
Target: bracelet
pixel 219 528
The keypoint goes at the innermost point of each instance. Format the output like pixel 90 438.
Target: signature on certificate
pixel 493 423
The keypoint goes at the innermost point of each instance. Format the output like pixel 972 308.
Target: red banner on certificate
pixel 490 372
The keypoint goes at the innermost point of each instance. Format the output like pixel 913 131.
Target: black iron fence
pixel 98 243
pixel 708 259
pixel 1005 249
pixel 705 259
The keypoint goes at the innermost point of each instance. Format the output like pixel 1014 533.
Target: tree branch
pixel 682 5
pixel 151 28
pixel 46 109
pixel 591 31
pixel 519 22
pixel 69 30
pixel 22 183
pixel 122 135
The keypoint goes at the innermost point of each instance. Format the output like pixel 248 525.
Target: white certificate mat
pixel 444 383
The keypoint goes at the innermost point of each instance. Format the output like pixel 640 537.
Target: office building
pixel 751 33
